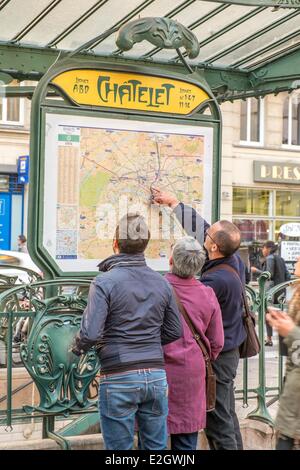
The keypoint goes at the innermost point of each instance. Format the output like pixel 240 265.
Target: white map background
pixel 108 170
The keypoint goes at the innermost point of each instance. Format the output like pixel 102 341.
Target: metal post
pixel 280 373
pixel 245 383
pixel 261 413
pixel 9 368
pixel 48 433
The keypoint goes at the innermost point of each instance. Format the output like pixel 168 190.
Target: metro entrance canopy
pixel 247 47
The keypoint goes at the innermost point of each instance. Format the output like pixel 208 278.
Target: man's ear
pixel 214 247
pixel 170 261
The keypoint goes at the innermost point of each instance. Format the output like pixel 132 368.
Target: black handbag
pixel 210 378
pixel 251 346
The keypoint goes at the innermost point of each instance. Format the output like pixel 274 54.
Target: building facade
pixel 261 165
pixel 14 142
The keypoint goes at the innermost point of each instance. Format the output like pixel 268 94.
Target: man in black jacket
pixel 275 265
pixel 131 313
pixel 221 271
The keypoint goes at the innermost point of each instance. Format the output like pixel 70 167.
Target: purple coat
pixel 185 366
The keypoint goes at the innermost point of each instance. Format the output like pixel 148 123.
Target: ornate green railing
pixel 265 395
pixel 63 380
pixel 52 311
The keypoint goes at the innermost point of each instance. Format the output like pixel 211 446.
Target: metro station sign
pixel 262 3
pixel 130 91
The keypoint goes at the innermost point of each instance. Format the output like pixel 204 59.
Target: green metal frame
pixel 62 378
pixel 20 61
pixel 40 106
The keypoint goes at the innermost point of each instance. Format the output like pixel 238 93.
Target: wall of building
pixel 237 158
pixel 14 142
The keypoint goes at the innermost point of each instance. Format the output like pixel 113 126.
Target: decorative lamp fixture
pixel 161 32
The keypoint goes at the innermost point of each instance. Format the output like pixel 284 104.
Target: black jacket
pixel 226 286
pixel 228 290
pixel 131 313
pixel 277 268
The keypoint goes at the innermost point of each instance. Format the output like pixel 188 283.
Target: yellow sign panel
pixel 130 91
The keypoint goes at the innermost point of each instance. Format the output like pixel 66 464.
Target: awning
pixel 245 45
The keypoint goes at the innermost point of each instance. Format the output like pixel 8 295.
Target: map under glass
pixel 103 172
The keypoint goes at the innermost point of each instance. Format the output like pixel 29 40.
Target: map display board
pixel 98 169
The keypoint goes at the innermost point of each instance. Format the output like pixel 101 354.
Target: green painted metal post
pixel 245 383
pixel 48 433
pixel 9 369
pixel 261 413
pixel 280 374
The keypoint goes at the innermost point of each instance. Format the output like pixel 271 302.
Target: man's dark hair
pixel 228 238
pixel 22 238
pixel 132 234
pixel 271 245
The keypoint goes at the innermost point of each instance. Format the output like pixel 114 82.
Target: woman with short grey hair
pixel 184 361
pixel 188 258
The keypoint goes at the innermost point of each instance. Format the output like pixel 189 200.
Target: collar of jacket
pixel 230 260
pixel 123 259
pixel 180 281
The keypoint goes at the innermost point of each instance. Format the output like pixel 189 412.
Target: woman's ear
pixel 170 261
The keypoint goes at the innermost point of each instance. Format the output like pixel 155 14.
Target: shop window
pixel 12 110
pixel 291 120
pixel 252 118
pixel 4 183
pixel 288 203
pixel 260 213
pixel 251 201
pixel 253 230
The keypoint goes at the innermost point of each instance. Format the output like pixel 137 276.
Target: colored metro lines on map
pixel 103 173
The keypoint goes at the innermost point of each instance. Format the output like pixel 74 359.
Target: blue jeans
pixel 186 441
pixel 135 396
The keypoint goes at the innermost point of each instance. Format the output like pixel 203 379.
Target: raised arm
pixel 192 222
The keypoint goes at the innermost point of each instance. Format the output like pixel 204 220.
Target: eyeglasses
pixel 212 239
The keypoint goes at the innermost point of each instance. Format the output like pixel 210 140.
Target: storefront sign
pixel 23 169
pixel 290 230
pixel 130 91
pixel 290 251
pixel 273 172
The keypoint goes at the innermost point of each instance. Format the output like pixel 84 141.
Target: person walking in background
pixel 224 272
pixel 131 313
pixel 184 359
pixel 279 273
pixel 287 421
pixel 22 244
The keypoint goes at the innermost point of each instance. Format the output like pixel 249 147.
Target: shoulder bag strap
pixel 234 271
pixel 194 332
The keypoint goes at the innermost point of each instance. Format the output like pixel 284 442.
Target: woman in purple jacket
pixel 185 366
